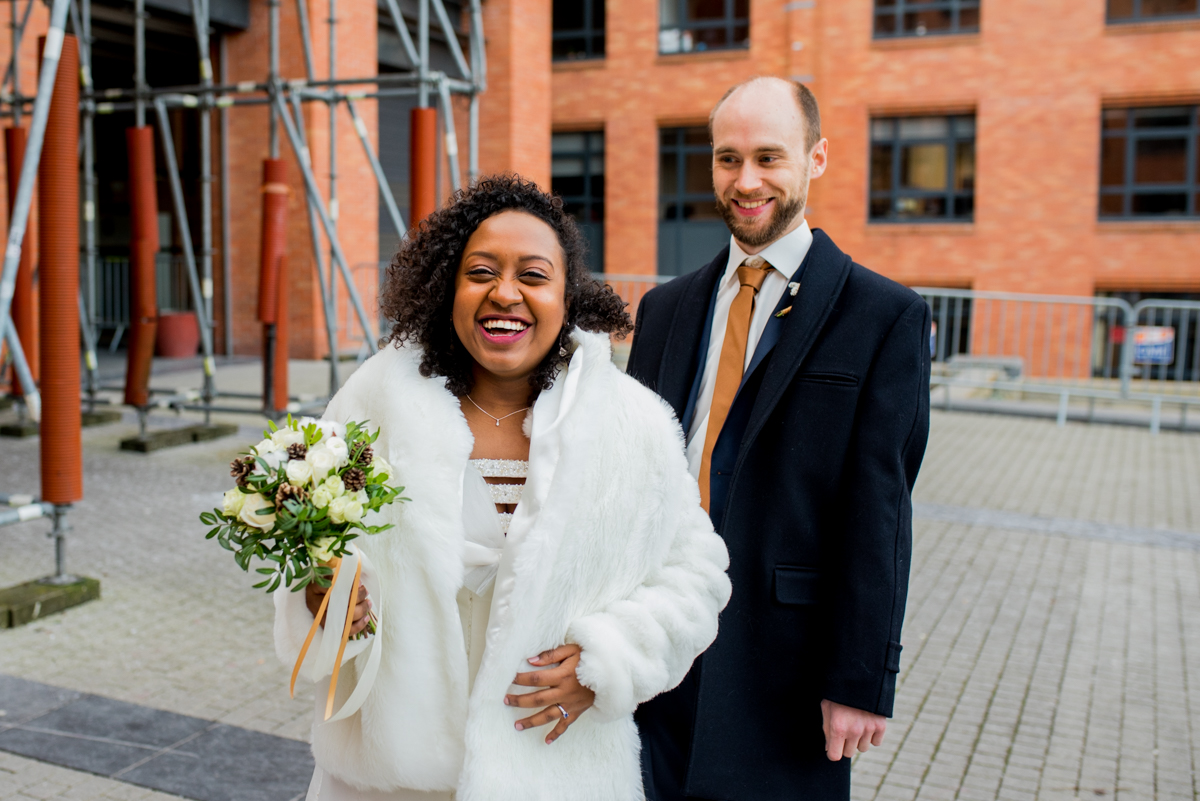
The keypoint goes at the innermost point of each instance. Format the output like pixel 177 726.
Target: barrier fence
pixel 983 344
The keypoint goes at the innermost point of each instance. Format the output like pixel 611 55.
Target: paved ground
pixel 1047 654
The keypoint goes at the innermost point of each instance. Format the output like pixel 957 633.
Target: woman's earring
pixel 562 351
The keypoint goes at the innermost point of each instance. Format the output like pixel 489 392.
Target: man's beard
pixel 781 218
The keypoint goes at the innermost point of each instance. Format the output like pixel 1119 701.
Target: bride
pixel 554 567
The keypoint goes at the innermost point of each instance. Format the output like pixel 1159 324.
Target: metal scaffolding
pixel 285 96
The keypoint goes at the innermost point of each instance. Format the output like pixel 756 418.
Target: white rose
pixel 322 462
pixel 234 499
pixel 274 460
pixel 380 469
pixel 321 497
pixel 338 447
pixel 319 549
pixel 336 486
pixel 337 508
pixel 360 497
pixel 353 510
pixel 299 472
pixel 329 428
pixel 249 512
pixel 286 436
pixel 265 447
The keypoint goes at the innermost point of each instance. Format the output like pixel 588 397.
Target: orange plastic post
pixel 143 246
pixel 273 284
pixel 423 164
pixel 58 290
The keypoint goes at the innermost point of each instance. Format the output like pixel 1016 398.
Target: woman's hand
pixel 313 595
pixel 561 688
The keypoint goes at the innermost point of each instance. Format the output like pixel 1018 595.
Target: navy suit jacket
pixel 811 486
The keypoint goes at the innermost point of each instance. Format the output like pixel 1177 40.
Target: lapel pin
pixel 795 287
pixel 784 312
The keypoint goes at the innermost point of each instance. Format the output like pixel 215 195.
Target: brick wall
pixel 1037 76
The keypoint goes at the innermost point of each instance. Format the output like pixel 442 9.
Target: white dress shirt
pixel 784 255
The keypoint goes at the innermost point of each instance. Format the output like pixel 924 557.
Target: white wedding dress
pixel 485 529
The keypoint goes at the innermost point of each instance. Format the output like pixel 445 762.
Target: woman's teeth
pixel 504 325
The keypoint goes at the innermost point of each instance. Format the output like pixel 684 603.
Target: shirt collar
pixel 784 254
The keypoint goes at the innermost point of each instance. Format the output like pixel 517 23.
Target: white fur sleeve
pixel 644 645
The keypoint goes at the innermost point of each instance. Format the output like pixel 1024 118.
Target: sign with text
pixel 1153 344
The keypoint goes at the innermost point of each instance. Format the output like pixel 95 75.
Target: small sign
pixel 1153 344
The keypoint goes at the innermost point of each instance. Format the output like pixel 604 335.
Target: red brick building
pixel 1021 145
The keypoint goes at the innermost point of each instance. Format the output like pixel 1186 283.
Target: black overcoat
pixel 811 489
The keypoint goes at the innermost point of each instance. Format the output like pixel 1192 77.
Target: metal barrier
pixel 1098 348
pixel 111 310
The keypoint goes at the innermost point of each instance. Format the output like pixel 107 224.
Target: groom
pixel 802 382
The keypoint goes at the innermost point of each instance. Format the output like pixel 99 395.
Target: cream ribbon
pixel 332 652
pixel 484 543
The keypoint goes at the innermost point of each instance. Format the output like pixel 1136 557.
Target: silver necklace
pixel 494 417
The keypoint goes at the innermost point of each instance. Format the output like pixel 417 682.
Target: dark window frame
pixel 679 196
pixel 950 194
pixel 901 7
pixel 1136 17
pixel 589 33
pixel 729 23
pixel 1129 187
pixel 593 146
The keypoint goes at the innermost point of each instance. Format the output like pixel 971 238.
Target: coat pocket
pixel 836 379
pixel 795 585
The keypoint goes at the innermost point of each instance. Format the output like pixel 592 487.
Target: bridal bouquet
pixel 300 498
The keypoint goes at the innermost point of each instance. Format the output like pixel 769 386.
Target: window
pixel 923 169
pixel 894 18
pixel 690 229
pixel 687 26
pixel 578 29
pixel 1142 10
pixel 1148 162
pixel 577 174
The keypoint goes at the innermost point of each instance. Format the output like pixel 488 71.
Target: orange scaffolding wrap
pixel 58 290
pixel 143 246
pixel 273 280
pixel 24 317
pixel 423 163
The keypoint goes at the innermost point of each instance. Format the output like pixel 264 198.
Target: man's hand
pixel 848 730
pixel 561 688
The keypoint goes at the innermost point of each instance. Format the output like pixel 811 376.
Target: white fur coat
pixel 609 549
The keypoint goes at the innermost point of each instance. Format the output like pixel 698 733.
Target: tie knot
pixel 753 272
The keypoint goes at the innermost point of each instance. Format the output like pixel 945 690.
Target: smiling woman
pixel 426 275
pixel 554 568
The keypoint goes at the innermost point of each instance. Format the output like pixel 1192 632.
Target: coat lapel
pixel 681 353
pixel 824 276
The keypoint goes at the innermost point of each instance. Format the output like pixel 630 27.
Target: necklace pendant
pixel 497 424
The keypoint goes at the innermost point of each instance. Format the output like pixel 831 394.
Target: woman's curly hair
pixel 418 294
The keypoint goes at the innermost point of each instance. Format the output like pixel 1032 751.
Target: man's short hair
pixel 806 101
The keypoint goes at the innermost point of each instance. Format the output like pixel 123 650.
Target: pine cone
pixel 297 450
pixel 354 479
pixel 240 468
pixel 363 455
pixel 288 492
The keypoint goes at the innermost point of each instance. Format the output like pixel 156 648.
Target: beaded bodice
pixel 506 493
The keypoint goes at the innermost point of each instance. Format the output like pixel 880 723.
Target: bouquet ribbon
pixel 338 604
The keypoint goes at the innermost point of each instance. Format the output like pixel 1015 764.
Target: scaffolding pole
pixel 19 219
pixel 310 183
pixel 319 260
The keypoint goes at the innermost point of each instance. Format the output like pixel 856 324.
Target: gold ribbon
pixel 312 630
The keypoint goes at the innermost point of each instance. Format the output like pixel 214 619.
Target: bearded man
pixel 802 382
